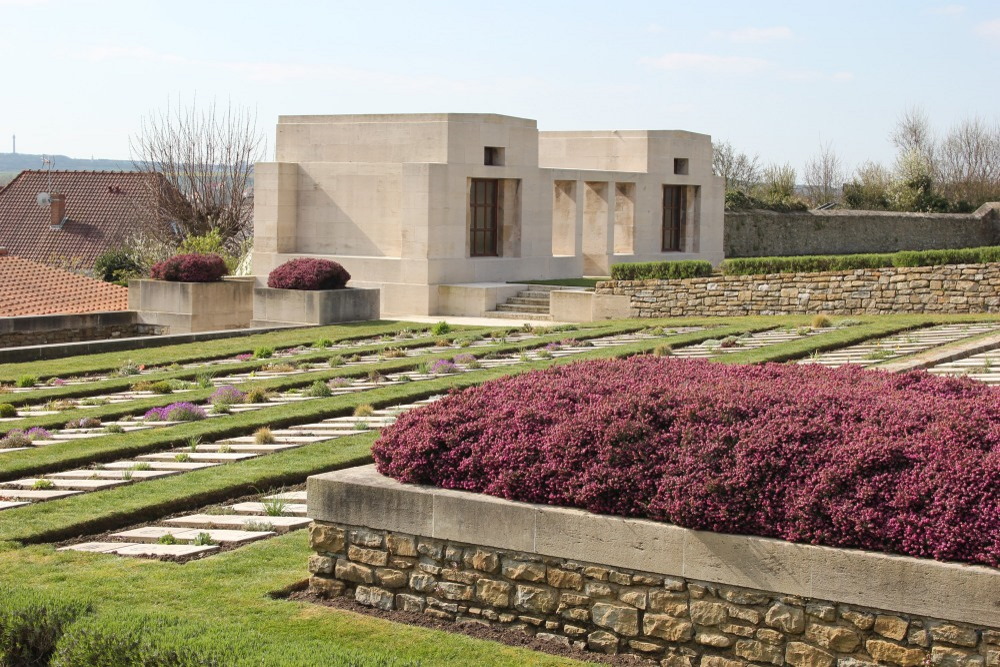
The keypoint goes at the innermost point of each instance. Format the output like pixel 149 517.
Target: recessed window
pixel 484 217
pixel 674 213
pixel 493 156
pixel 681 166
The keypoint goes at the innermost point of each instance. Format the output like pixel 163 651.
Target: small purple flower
pixel 155 415
pixel 246 356
pixel 37 433
pixel 57 382
pixel 552 347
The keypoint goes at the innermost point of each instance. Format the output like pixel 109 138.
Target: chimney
pixel 57 211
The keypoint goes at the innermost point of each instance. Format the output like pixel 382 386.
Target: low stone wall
pixel 839 232
pixel 181 307
pixel 274 306
pixel 611 584
pixel 959 288
pixel 49 329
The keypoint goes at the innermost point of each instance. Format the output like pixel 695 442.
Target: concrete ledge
pixel 950 591
pixel 190 307
pixel 587 306
pixel 315 306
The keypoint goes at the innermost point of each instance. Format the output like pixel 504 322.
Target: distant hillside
pixel 17 162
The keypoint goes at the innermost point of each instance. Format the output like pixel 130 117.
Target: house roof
pixel 103 208
pixel 32 288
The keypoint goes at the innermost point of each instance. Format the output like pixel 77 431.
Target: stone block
pixel 719 661
pixel 667 627
pixel 495 593
pixel 321 564
pixel 675 604
pixel 370 596
pixel 390 578
pixel 535 599
pixel 602 642
pixel 620 618
pixel 452 591
pixel 410 603
pixel 756 651
pixel 355 572
pixel 522 570
pixel 786 618
pixel 366 538
pixel 326 538
pixel 834 637
pixel 315 306
pixel 563 579
pixel 892 627
pixel 715 639
pixel 423 583
pixel 859 619
pixel 886 651
pixel 953 634
pixel 483 560
pixel 801 654
pixel 704 612
pixel 326 588
pixel 367 556
pixel 633 597
pixel 401 545
pixel 946 656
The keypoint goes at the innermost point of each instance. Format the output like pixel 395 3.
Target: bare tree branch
pixel 201 163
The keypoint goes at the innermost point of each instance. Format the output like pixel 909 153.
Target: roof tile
pixel 31 288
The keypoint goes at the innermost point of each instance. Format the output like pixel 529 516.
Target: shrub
pixel 441 328
pixel 191 268
pixel 742 266
pixel 116 266
pixel 31 626
pixel 176 412
pixel 263 436
pixel 227 395
pixel 309 274
pixel 364 410
pixel 318 389
pixel 129 368
pixel 901 463
pixel 443 367
pixel 162 387
pixel 25 381
pixel 689 268
pixel 83 422
pixel 821 322
pixel 15 439
pixel 7 411
pixel 263 352
pixel 258 395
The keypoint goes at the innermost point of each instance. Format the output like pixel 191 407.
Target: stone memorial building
pixel 443 211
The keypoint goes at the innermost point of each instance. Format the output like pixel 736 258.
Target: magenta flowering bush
pixel 190 268
pixel 175 412
pixel 246 356
pixel 845 457
pixel 308 273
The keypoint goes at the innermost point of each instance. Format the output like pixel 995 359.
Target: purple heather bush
pixel 175 412
pixel 443 367
pixel 900 463
pixel 307 273
pixel 191 268
pixel 246 356
pixel 227 395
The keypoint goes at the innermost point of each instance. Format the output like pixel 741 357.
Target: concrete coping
pixel 948 591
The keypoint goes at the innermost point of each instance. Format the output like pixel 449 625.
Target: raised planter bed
pixel 293 306
pixel 184 307
pixel 632 585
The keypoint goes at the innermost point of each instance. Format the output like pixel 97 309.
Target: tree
pixel 968 163
pixel 824 176
pixel 741 171
pixel 913 133
pixel 200 162
pixel 870 188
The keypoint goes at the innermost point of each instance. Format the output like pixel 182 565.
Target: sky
pixel 779 79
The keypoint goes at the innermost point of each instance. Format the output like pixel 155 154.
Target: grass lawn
pixel 221 605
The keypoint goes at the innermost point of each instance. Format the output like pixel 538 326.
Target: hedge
pixel 814 263
pixel 307 273
pixel 689 268
pixel 190 268
pixel 846 457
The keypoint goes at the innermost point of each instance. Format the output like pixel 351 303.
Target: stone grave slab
pixel 280 524
pixel 290 509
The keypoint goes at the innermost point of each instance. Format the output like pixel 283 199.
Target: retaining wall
pixel 958 288
pixel 612 584
pixel 837 232
pixel 49 329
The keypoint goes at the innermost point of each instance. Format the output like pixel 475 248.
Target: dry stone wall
pixel 959 288
pixel 677 622
pixel 839 232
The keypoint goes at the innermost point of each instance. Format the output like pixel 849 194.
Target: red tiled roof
pixel 30 288
pixel 103 208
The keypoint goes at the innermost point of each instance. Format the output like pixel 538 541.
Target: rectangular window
pixel 681 166
pixel 493 156
pixel 674 213
pixel 484 215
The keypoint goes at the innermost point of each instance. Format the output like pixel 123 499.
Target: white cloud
pixel 755 35
pixel 989 29
pixel 706 62
pixel 947 10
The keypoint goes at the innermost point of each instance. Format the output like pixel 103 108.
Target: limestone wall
pixel 840 232
pixel 686 598
pixel 959 288
pixel 49 329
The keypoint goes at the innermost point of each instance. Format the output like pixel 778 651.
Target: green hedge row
pixel 689 268
pixel 743 266
pixel 813 263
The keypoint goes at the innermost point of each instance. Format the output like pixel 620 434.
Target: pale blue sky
pixel 772 77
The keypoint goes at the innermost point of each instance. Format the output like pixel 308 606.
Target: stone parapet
pixel 612 584
pixel 949 289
